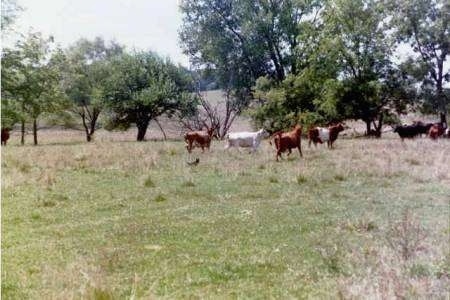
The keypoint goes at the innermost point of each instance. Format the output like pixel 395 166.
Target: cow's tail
pixel 274 136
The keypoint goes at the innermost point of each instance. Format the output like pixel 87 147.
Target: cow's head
pixel 263 133
pixel 340 127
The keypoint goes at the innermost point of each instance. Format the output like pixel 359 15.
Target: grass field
pixel 369 219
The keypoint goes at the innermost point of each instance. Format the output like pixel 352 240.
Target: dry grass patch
pixel 126 219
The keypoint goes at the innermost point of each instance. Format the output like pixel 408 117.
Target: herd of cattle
pixel 286 141
pixel 433 130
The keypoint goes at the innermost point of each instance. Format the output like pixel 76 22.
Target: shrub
pixel 160 198
pixel 149 182
pixel 301 179
pixel 406 236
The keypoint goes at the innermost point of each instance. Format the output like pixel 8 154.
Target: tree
pixel 425 26
pixel 32 79
pixel 142 87
pixel 346 72
pixel 246 39
pixel 9 76
pixel 86 79
pixel 240 41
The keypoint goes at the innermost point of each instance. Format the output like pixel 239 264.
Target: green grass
pixel 119 220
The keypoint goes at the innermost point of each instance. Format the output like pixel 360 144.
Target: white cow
pixel 246 139
pixel 324 134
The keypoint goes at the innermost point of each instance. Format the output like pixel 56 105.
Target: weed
pixel 188 183
pixel 24 168
pixel 301 179
pixel 35 216
pixel 406 237
pixel 160 198
pixel 149 182
pixel 273 179
pixel 48 203
pixel 339 177
pixel 419 270
pixel 413 162
pixel 172 152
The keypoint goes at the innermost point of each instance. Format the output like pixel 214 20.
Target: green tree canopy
pixel 143 86
pixel 425 26
pixel 86 73
pixel 346 72
pixel 32 79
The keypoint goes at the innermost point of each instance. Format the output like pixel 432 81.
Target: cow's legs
pixel 189 146
pixel 279 152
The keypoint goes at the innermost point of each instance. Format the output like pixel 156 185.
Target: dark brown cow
pixel 5 135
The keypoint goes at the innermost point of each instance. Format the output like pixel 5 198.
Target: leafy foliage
pixel 425 26
pixel 143 86
pixel 31 80
pixel 86 72
pixel 347 73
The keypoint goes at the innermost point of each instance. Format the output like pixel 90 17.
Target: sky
pixel 137 24
pixel 140 24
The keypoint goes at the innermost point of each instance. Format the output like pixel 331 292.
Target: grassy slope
pixel 126 218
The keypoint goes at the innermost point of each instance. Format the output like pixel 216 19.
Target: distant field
pixel 114 220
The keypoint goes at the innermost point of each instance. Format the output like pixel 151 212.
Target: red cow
pixel 285 141
pixel 200 139
pixel 5 135
pixel 436 131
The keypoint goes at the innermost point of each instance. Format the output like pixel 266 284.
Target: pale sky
pixel 141 24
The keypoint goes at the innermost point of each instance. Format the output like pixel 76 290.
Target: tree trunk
pixel 35 132
pixel 22 137
pixel 142 126
pixel 367 127
pixel 379 126
pixel 160 127
pixel 444 120
pixel 94 119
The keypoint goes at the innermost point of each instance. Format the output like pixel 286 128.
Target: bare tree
pixel 219 116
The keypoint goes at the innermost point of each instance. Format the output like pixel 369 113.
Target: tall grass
pixel 368 219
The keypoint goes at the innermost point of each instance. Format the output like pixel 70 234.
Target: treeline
pixel 88 79
pixel 282 61
pixel 318 61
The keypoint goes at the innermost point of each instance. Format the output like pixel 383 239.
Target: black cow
pixel 407 131
pixel 422 128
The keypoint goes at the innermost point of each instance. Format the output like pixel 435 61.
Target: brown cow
pixel 436 131
pixel 285 141
pixel 5 135
pixel 322 134
pixel 200 139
